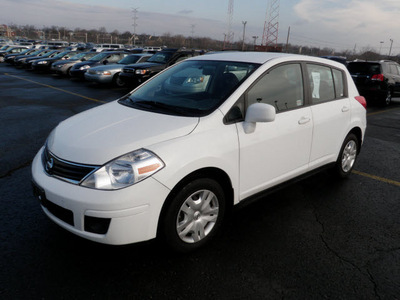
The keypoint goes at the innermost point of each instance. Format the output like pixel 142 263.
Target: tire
pixel 194 216
pixel 117 81
pixel 387 99
pixel 69 72
pixel 348 156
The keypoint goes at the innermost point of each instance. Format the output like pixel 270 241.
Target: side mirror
pixel 105 62
pixel 83 59
pixel 258 112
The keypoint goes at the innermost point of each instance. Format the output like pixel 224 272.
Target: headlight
pixel 44 62
pixel 84 67
pixel 141 72
pixel 125 170
pixel 59 66
pixel 106 73
pixel 195 80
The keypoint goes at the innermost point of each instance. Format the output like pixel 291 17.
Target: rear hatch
pixel 365 73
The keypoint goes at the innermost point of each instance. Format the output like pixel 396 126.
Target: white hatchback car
pixel 172 157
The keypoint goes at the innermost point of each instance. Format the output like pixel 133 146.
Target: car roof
pixel 259 57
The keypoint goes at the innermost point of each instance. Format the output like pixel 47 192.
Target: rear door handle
pixel 304 120
pixel 345 108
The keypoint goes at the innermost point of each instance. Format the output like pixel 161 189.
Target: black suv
pixel 377 81
pixel 137 73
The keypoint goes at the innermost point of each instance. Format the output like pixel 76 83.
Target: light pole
pixel 380 48
pixel 255 37
pixel 391 44
pixel 244 33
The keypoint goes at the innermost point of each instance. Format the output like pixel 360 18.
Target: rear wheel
pixel 387 98
pixel 348 155
pixel 194 215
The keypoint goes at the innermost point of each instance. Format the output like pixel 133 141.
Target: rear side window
pixel 339 83
pixel 282 87
pixel 393 69
pixel 321 83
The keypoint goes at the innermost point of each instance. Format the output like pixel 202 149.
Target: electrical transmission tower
pixel 228 41
pixel 135 11
pixel 271 25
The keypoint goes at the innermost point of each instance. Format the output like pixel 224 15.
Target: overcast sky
pixel 339 24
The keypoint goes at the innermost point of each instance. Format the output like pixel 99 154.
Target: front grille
pixel 69 171
pixel 128 70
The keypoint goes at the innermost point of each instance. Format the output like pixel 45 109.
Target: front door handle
pixel 304 120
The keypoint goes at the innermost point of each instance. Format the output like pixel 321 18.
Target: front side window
pixel 281 87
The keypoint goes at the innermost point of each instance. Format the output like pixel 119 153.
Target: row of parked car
pixel 377 81
pixel 118 67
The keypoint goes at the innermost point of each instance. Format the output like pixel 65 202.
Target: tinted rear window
pixel 364 68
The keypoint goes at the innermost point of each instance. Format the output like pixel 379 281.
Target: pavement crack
pixel 371 278
pixel 347 261
pixel 10 172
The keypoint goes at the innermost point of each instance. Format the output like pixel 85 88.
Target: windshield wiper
pixel 160 107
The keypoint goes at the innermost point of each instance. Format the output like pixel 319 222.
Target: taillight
pixel 362 101
pixel 378 77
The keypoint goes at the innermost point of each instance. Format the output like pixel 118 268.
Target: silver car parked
pixel 110 73
pixel 63 67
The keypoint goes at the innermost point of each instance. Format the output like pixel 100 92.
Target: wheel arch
pixel 358 133
pixel 212 173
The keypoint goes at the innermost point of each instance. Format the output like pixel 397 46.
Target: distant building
pixel 6 31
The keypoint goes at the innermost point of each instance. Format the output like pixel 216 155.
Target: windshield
pixel 25 51
pixel 160 57
pixel 99 56
pixel 61 55
pixel 130 59
pixel 191 88
pixel 46 54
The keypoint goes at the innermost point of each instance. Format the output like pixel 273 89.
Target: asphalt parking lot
pixel 317 239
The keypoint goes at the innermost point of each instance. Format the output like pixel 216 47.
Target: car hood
pixel 110 67
pixel 145 65
pixel 66 61
pixel 86 62
pixel 111 130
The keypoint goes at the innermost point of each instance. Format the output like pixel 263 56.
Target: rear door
pixel 395 75
pixel 330 112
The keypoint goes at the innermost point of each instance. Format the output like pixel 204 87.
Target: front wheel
pixel 117 81
pixel 348 155
pixel 194 215
pixel 68 72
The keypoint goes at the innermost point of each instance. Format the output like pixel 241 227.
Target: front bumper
pixel 129 78
pixel 104 79
pixel 78 73
pixel 117 217
pixel 41 67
